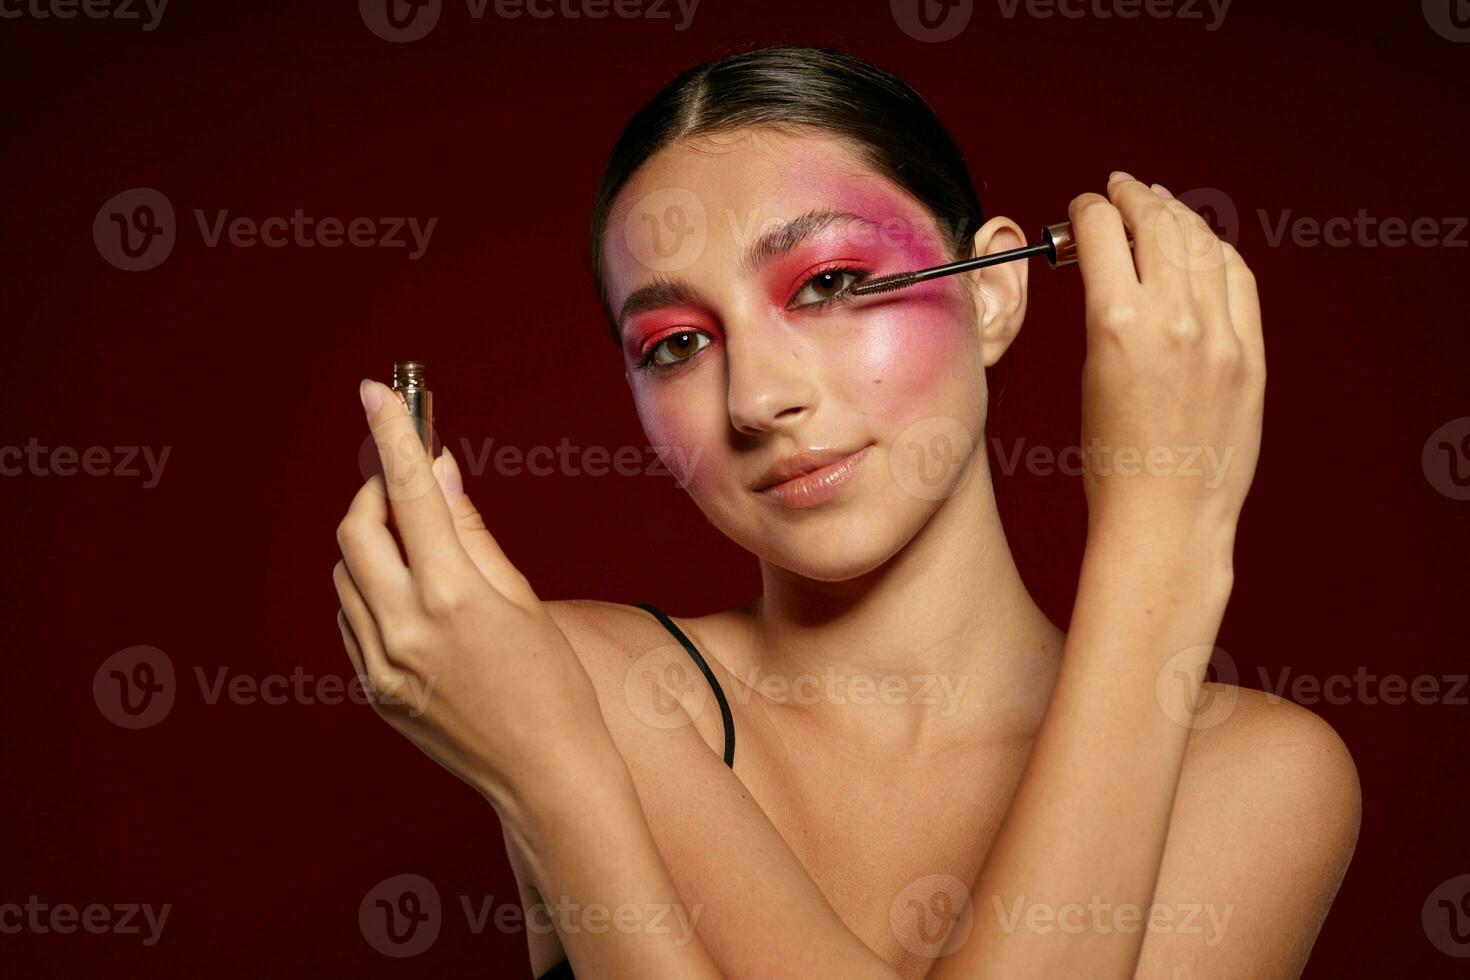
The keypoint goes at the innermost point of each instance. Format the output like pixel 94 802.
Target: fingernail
pixel 1118 175
pixel 446 471
pixel 1162 191
pixel 371 395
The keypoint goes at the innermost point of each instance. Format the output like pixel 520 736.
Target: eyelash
pixel 647 363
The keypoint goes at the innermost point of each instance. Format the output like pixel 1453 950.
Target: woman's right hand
pixel 1174 382
pixel 466 661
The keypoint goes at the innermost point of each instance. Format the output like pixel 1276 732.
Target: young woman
pixel 931 778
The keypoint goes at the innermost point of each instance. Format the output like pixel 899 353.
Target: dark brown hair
pixel 789 87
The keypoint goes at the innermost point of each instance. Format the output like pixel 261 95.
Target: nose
pixel 771 383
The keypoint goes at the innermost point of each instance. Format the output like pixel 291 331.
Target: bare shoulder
pixel 646 683
pixel 596 627
pixel 719 845
pixel 1272 753
pixel 625 625
pixel 610 638
pixel 1264 825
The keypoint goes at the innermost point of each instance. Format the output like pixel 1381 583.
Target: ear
pixel 1000 290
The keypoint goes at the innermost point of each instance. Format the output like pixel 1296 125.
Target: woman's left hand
pixel 458 653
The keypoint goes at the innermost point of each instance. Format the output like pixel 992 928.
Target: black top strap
pixel 562 971
pixel 709 675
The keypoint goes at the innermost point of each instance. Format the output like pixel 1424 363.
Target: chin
pixel 836 545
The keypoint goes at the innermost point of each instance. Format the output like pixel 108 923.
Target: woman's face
pixel 728 258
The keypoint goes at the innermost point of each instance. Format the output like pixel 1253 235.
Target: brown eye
pixel 825 286
pixel 678 347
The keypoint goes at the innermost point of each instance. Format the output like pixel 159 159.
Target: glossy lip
pixel 810 478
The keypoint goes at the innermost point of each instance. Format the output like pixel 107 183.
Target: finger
pixel 370 686
pixel 1103 256
pixel 475 537
pixel 417 505
pixel 372 554
pixel 1204 256
pixel 375 666
pixel 1245 308
pixel 1158 240
pixel 354 650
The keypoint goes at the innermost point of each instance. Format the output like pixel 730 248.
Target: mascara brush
pixel 1057 244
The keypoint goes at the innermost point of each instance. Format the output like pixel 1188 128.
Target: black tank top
pixel 563 970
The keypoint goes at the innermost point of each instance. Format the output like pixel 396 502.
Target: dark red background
pixel 264 826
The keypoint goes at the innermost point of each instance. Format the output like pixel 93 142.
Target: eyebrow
pixel 779 240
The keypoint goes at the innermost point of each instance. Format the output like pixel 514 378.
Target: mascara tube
pixel 408 383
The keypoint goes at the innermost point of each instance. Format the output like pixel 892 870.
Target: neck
pixel 946 624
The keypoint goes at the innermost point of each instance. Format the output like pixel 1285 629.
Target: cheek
pixel 907 354
pixel 686 437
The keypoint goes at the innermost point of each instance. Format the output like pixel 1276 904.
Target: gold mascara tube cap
pixel 408 382
pixel 1061 246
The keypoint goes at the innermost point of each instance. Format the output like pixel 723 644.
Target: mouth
pixel 811 478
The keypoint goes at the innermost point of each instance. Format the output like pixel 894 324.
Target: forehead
pixel 698 203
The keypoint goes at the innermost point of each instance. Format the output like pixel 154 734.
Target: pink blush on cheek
pixel 692 454
pixel 906 354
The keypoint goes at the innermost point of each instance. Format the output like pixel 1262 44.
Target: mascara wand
pixel 1057 244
